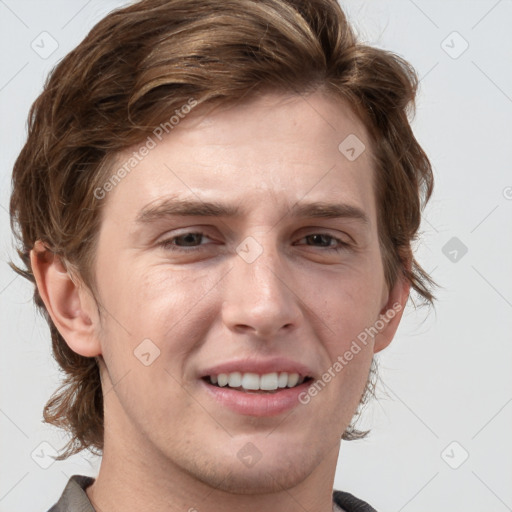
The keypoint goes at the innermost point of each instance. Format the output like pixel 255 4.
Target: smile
pixel 250 381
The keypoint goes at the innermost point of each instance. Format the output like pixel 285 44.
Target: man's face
pixel 281 275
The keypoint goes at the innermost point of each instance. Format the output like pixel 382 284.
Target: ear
pixel 71 307
pixel 391 313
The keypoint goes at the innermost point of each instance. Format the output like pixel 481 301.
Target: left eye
pixel 323 240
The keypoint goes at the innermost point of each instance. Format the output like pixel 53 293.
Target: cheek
pixel 348 304
pixel 142 295
pixel 172 306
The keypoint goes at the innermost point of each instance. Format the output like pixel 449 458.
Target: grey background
pixel 441 426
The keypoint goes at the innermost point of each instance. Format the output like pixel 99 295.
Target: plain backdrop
pixel 441 427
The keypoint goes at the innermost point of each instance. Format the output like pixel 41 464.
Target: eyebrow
pixel 196 208
pixel 322 210
pixel 185 207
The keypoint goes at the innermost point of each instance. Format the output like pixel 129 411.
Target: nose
pixel 259 298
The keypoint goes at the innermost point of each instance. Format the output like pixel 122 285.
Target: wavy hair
pixel 132 71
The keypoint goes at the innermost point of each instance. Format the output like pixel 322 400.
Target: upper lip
pixel 259 366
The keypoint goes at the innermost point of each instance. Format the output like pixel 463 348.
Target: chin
pixel 257 481
pixel 277 470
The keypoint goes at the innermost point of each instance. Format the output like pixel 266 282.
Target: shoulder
pixel 74 498
pixel 349 503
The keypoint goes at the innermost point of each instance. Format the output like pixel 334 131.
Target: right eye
pixel 190 239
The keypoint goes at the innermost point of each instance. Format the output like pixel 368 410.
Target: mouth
pixel 250 382
pixel 256 395
pixel 257 387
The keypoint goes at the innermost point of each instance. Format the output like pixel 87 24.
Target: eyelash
pixel 169 245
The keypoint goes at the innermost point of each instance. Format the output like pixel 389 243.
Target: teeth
pixel 235 380
pixel 282 380
pixel 268 382
pixel 293 379
pixel 255 382
pixel 251 381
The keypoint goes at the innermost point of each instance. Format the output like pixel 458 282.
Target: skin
pixel 168 445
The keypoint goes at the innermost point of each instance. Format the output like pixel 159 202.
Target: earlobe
pixel 391 313
pixel 69 305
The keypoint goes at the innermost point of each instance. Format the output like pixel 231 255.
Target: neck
pixel 131 480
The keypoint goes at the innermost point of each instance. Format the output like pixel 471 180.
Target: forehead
pixel 274 151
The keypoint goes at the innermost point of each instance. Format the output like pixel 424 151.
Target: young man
pixel 216 202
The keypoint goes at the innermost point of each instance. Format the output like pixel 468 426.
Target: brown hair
pixel 133 71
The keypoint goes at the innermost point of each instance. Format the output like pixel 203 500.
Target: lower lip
pixel 256 403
